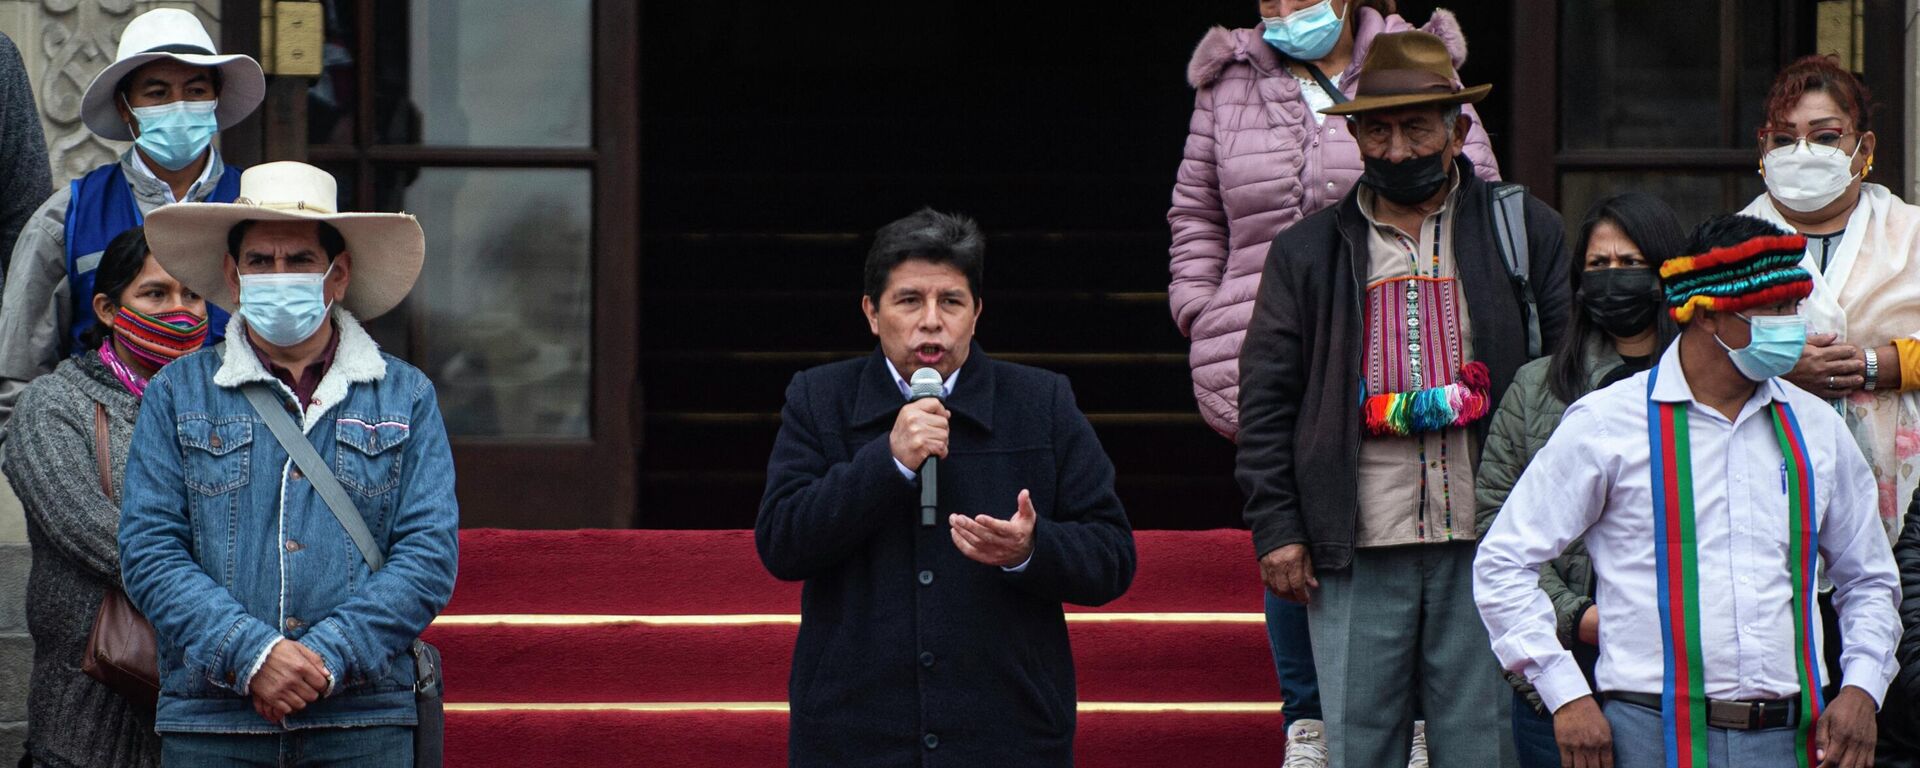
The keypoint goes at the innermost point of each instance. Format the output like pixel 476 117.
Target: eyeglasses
pixel 1822 138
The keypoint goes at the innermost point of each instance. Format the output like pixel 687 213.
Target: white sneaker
pixel 1419 758
pixel 1306 745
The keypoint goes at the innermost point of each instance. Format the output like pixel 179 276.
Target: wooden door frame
pixel 1538 161
pixel 510 482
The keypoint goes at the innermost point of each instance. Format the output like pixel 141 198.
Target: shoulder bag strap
pixel 272 409
pixel 101 445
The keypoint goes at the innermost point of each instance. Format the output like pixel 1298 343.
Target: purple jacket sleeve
pixel 1198 219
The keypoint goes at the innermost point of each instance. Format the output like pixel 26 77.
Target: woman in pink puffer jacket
pixel 1257 160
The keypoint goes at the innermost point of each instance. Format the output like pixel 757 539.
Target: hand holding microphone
pixel 919 438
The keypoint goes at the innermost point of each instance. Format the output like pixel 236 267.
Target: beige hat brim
pixel 242 88
pixel 190 242
pixel 1374 103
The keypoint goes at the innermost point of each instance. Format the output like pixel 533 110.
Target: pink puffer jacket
pixel 1255 163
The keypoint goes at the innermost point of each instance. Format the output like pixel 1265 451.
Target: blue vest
pixel 101 208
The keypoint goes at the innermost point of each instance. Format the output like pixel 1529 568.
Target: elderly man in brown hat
pixel 1385 331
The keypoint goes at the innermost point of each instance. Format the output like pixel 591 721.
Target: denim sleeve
pixel 362 635
pixel 187 606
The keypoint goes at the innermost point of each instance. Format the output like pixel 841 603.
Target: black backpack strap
pixel 1510 231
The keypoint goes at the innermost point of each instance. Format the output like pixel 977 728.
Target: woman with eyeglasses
pixel 1863 250
pixel 1816 151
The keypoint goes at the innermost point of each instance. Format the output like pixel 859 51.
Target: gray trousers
pixel 1399 624
pixel 1639 741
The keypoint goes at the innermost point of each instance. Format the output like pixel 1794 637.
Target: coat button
pixel 926 659
pixel 926 577
pixel 297 474
pixel 932 741
pixel 293 546
pixel 292 623
pixel 215 442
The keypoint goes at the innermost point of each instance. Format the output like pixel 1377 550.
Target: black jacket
pixel 1300 371
pixel 1900 712
pixel 909 653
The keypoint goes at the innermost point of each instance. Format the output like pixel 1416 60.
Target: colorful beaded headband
pixel 1759 272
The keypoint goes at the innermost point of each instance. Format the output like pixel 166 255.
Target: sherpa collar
pixel 356 361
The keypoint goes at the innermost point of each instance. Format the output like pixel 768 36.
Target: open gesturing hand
pixel 988 539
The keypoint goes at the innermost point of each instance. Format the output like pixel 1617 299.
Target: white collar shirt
pixel 1593 479
pixel 140 164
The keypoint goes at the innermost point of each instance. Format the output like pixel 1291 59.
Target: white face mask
pixel 1807 177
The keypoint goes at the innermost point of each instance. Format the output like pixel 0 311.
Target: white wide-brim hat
pixel 190 239
pixel 171 33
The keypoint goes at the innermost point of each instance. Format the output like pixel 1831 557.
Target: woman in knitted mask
pixel 145 320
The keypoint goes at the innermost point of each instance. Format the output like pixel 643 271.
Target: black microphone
pixel 927 383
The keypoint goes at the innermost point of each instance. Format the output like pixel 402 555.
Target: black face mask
pixel 1623 302
pixel 1409 181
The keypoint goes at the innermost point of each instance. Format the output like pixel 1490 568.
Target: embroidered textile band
pixel 1400 414
pixel 1683 697
pixel 1756 273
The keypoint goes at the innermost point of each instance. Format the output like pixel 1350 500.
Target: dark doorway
pixel 775 139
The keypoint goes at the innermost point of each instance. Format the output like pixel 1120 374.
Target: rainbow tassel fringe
pixel 1430 410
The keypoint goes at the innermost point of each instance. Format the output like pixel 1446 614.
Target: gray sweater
pixel 71 719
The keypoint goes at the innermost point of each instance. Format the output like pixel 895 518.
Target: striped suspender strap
pixel 1677 572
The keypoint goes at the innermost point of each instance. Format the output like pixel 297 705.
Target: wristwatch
pixel 1873 370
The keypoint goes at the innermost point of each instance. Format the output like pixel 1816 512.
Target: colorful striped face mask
pixel 156 340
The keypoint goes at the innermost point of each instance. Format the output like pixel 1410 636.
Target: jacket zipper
pixel 1359 293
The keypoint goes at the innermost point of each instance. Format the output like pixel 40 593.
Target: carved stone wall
pixel 64 43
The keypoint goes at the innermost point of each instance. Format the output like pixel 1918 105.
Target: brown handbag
pixel 121 652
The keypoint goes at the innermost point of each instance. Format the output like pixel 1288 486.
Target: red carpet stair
pixel 670 648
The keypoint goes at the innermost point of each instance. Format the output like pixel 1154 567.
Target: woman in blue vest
pixel 168 91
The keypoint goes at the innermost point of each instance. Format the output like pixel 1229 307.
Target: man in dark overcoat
pixel 941 644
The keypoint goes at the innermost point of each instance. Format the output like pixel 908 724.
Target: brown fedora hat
pixel 1405 69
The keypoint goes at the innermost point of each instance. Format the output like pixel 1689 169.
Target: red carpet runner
pixel 670 649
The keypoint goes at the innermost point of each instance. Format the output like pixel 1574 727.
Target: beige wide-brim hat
pixel 171 33
pixel 190 239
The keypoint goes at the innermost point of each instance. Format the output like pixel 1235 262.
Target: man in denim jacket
pixel 275 638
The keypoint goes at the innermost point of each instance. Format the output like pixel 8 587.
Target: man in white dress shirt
pixel 1704 488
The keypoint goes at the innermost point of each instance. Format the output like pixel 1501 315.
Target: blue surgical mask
pixel 1774 346
pixel 285 308
pixel 176 133
pixel 1307 34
